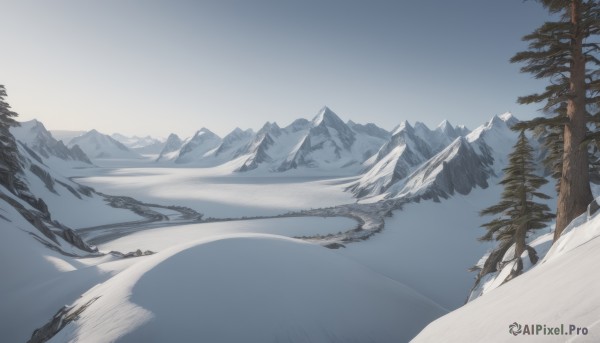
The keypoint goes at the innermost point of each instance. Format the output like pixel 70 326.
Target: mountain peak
pixel 447 128
pixel 403 126
pixel 506 116
pixel 421 125
pixel 204 131
pixel 269 127
pixel 328 117
pixel 172 136
pixel 503 119
pixel 444 125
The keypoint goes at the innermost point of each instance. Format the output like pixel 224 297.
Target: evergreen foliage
pixel 518 211
pixel 562 52
pixel 9 160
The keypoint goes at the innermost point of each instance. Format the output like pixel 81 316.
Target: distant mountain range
pixel 413 161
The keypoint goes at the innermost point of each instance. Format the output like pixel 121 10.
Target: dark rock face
pixel 63 317
pixel 78 154
pixel 44 176
pixel 71 237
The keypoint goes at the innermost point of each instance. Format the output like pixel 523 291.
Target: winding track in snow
pixel 369 218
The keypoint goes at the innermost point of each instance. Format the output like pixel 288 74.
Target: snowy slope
pixel 35 136
pixel 429 245
pixel 99 146
pixel 38 280
pixel 251 288
pixel 561 289
pixel 68 202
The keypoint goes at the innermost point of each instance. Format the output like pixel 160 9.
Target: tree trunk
pixel 520 245
pixel 575 193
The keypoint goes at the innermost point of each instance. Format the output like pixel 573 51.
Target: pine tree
pixel 9 161
pixel 560 51
pixel 519 213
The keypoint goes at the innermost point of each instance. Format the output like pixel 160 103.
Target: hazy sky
pixel 155 67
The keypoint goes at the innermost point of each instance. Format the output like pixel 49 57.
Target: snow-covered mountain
pixel 230 146
pixel 100 146
pixel 325 143
pixel 171 148
pixel 328 144
pixel 412 164
pixel 142 145
pixel 255 153
pixel 198 147
pixel 34 136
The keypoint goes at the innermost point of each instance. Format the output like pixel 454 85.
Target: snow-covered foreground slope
pixel 252 288
pixel 562 289
pixel 36 280
pixel 430 245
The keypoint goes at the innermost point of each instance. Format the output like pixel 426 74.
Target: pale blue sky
pixel 155 67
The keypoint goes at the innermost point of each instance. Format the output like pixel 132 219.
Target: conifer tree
pixel 561 52
pixel 9 162
pixel 517 210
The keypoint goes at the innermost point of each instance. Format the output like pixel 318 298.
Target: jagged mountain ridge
pixel 411 164
pixel 409 161
pixel 34 135
pixel 326 142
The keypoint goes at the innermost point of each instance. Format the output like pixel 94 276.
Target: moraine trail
pixel 369 218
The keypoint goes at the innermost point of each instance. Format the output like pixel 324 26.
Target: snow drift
pixel 250 288
pixel 561 289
